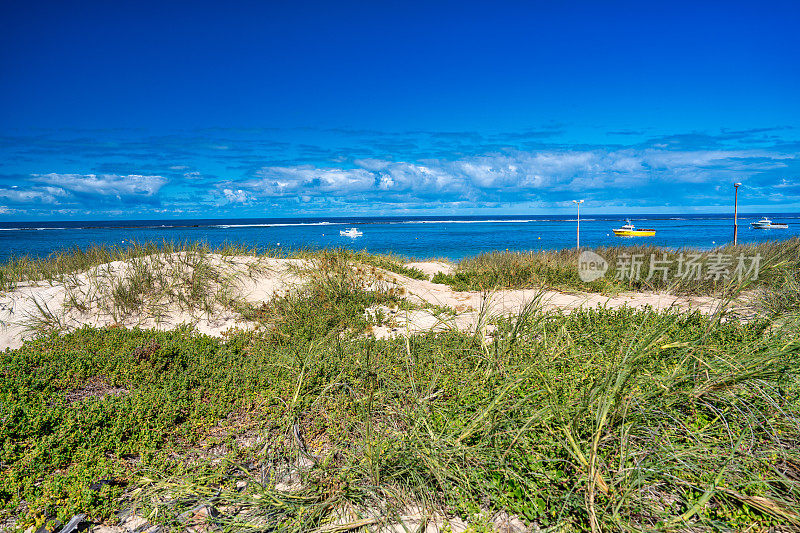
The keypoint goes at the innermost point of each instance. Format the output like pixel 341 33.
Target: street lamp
pixel 736 212
pixel 578 203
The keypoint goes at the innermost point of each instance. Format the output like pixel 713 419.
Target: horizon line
pixel 446 216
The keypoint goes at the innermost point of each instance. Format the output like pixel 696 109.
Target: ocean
pixel 420 237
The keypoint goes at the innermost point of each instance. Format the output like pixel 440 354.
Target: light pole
pixel 578 203
pixel 736 212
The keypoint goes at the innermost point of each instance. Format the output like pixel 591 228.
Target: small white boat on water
pixel 766 223
pixel 351 232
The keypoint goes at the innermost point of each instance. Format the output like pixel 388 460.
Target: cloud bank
pixel 262 174
pixel 636 176
pixel 131 185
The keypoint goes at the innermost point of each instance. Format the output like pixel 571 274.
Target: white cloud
pixel 282 181
pixel 47 195
pixel 784 183
pixel 236 197
pixel 105 184
pixel 513 176
pixel 371 164
pixel 545 178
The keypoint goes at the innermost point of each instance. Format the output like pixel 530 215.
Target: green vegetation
pixel 389 262
pixel 599 419
pixel 780 261
pixel 333 300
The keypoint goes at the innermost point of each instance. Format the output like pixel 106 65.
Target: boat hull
pixel 771 226
pixel 634 233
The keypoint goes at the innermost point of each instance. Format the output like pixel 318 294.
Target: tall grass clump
pixel 782 298
pixel 333 298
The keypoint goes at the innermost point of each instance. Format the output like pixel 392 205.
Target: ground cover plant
pixel 597 420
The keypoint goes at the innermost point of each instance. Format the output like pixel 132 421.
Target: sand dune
pixel 91 298
pixel 88 298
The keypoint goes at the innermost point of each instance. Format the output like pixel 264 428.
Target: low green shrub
pixel 623 418
pixel 600 419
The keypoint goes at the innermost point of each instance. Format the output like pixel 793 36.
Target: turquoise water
pixel 418 237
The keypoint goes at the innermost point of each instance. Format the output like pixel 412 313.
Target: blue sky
pixel 247 109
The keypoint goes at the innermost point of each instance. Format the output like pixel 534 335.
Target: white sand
pixel 466 308
pixel 257 280
pixel 431 268
pixel 252 280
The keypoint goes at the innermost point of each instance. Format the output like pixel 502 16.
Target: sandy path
pixel 431 268
pixel 467 307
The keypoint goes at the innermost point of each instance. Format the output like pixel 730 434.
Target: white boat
pixel 766 223
pixel 351 232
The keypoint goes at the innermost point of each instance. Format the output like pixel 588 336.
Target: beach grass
pixel 64 263
pixel 778 262
pixel 147 283
pixel 391 262
pixel 597 420
pixel 142 283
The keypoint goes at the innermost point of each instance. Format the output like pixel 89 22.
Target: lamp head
pixel 577 202
pixel 737 184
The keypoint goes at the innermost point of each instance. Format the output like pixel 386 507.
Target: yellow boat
pixel 628 230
